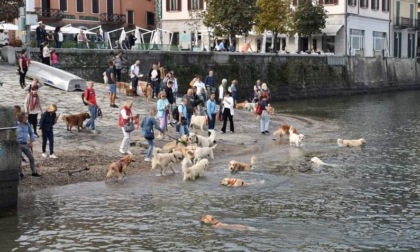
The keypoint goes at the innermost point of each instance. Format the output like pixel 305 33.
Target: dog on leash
pixel 235 166
pixel 75 120
pixel 284 130
pixel 234 182
pixel 119 168
pixel 295 138
pixel 195 171
pixel 351 143
pixel 163 160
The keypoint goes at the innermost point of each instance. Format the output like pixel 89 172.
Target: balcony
pixel 106 18
pixel 406 23
pixel 50 14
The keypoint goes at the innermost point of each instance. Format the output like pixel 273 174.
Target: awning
pixel 9 27
pixel 331 30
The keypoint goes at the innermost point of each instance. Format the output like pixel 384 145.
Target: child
pixel 54 58
pixel 48 119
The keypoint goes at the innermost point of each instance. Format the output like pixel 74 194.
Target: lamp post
pixel 209 30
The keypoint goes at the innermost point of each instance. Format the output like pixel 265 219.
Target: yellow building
pixel 404 26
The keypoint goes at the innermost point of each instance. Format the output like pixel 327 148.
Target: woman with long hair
pixel 23 68
pixel 147 132
pixel 162 112
pixel 124 117
pixel 33 107
pixel 46 124
pixel 228 112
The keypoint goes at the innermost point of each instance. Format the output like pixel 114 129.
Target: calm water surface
pixel 368 201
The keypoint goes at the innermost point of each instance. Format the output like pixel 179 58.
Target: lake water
pixel 368 201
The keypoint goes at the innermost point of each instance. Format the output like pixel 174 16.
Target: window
pixel 385 5
pixel 63 5
pixel 375 5
pixel 330 1
pixel 411 45
pixel 397 44
pixel 356 39
pixel 352 2
pixel 80 6
pixel 95 6
pixel 379 41
pixel 195 5
pixel 364 3
pixel 173 5
pixel 130 17
pixel 150 18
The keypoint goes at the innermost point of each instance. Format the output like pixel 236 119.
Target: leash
pixel 170 136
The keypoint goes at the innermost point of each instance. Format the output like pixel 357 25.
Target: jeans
pixel 28 153
pixel 58 44
pixel 93 113
pixel 265 121
pixel 125 144
pixel 150 149
pixel 183 130
pixel 212 122
pixel 189 118
pixel 48 135
pixel 38 42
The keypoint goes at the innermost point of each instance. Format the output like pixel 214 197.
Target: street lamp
pixel 209 30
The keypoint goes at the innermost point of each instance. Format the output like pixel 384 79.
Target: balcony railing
pixel 404 22
pixel 112 18
pixel 49 13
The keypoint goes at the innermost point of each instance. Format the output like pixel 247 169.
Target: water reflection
pixel 369 201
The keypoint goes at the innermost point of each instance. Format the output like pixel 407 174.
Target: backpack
pixel 258 108
pixel 83 98
pixel 175 114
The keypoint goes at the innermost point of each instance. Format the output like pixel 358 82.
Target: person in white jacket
pixel 228 112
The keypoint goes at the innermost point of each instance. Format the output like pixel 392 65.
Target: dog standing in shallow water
pixel 118 168
pixel 235 166
pixel 297 139
pixel 195 171
pixel 164 160
pixel 284 130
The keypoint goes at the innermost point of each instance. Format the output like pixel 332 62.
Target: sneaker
pixel 44 155
pixel 268 132
pixel 122 151
pixel 222 132
pixel 36 175
pixel 53 156
pixel 111 105
pixel 129 152
pixel 147 159
pixel 114 106
pixel 263 132
pixel 232 132
pixel 94 132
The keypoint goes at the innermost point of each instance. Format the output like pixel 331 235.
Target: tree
pixel 309 19
pixel 230 17
pixel 272 16
pixel 9 9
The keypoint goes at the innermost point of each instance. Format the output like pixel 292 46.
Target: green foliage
pixel 272 16
pixel 308 18
pixel 229 16
pixel 9 9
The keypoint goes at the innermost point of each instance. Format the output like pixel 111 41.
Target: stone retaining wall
pixel 288 76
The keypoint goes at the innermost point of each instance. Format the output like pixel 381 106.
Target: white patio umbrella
pixel 73 30
pixel 47 27
pixel 156 38
pixel 8 26
pixel 138 36
pixel 122 37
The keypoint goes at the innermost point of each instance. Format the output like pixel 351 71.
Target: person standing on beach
pixel 211 112
pixel 46 53
pixel 135 75
pixel 118 61
pixel 190 104
pixel 147 131
pixel 257 91
pixel 112 87
pixel 233 90
pixel 182 123
pixel 54 58
pixel 33 107
pixel 24 130
pixel 228 112
pixel 23 68
pixel 209 82
pixel 162 112
pixel 124 117
pixel 46 125
pixel 90 99
pixel 265 117
pixel 154 79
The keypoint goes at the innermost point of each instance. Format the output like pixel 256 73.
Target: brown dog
pixel 75 120
pixel 149 93
pixel 241 105
pixel 129 91
pixel 118 168
pixel 233 182
pixel 143 86
pixel 122 87
pixel 235 166
pixel 284 130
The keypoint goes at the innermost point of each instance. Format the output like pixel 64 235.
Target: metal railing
pixel 49 13
pixel 405 22
pixel 112 18
pixel 8 128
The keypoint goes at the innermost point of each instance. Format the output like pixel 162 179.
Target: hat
pixel 264 86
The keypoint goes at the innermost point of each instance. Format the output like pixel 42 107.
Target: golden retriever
pixel 351 143
pixel 164 160
pixel 118 168
pixel 143 86
pixel 202 141
pixel 233 182
pixel 235 166
pixel 210 220
pixel 317 161
pixel 75 120
pixel 182 141
pixel 202 152
pixel 149 93
pixel 194 171
pixel 122 87
pixel 199 121
pixel 297 139
pixel 284 130
pixel 241 105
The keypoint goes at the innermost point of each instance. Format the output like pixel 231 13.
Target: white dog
pixel 105 78
pixel 351 143
pixel 199 121
pixel 250 106
pixel 202 152
pixel 195 171
pixel 202 141
pixel 297 139
pixel 319 162
pixel 164 160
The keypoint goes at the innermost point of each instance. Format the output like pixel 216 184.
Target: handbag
pixel 128 127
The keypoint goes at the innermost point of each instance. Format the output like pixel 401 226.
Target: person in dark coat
pixel 48 119
pixel 131 40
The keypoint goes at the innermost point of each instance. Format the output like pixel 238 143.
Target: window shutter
pixel 167 5
pixel 294 2
pixel 179 5
pixel 321 2
pixel 189 4
pixel 335 2
pixel 201 4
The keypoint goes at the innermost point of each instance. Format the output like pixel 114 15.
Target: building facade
pixel 404 28
pixel 110 14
